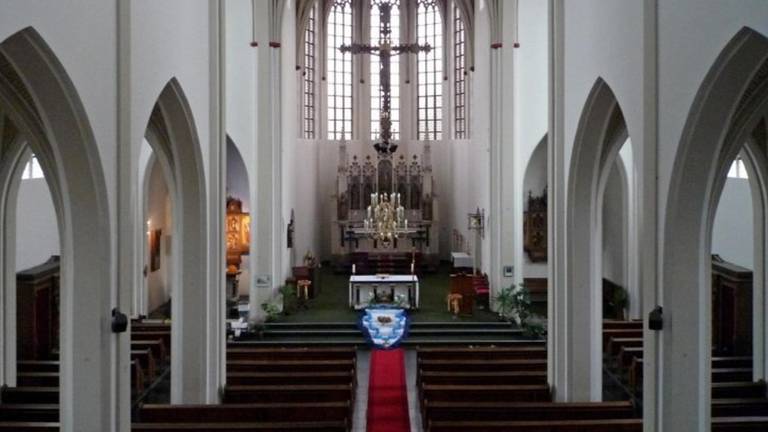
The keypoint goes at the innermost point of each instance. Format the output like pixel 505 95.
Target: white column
pixel 266 208
pixel 216 301
pixel 645 154
pixel 129 246
pixel 557 296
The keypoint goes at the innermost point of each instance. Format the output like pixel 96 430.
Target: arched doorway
pixel 172 136
pixel 41 103
pixel 601 133
pixel 729 105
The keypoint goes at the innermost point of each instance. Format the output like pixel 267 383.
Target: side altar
pixel 362 174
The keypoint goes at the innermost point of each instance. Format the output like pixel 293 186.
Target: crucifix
pixel 385 50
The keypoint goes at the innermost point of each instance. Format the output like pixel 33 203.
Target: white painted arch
pixel 728 106
pixel 40 100
pixel 172 134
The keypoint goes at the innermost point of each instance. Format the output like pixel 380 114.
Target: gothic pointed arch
pixel 729 104
pixel 39 98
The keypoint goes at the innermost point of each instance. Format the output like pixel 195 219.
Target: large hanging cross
pixel 385 51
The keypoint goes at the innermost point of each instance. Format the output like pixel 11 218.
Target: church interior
pixel 384 215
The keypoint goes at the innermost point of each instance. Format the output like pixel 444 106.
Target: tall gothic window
pixel 459 75
pixel 376 39
pixel 339 71
pixel 309 76
pixel 429 30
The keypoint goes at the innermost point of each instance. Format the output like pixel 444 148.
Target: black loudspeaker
pixel 656 319
pixel 119 321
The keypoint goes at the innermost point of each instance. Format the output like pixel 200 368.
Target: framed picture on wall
pixel 154 249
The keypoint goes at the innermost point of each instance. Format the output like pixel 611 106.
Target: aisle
pixel 387 392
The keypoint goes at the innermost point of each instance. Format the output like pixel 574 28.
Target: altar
pixel 401 290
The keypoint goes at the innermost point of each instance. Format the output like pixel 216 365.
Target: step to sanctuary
pixel 420 333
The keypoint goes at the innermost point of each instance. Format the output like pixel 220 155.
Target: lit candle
pixel 354 268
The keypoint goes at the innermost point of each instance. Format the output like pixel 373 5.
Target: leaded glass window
pixel 339 71
pixel 309 76
pixel 459 75
pixel 429 30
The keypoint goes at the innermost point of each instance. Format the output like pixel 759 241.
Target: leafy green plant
pixel 272 311
pixel 288 292
pixel 505 303
pixel 514 304
pixel 620 301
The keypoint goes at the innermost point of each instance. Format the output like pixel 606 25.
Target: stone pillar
pixel 266 207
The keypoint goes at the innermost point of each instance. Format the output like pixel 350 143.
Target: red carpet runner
pixel 387 392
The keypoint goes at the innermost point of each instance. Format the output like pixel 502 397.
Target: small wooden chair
pixel 454 303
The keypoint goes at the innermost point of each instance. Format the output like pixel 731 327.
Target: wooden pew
pixel 739 407
pixel 740 424
pixel 326 426
pixel 29 412
pixel 277 378
pixel 526 411
pixel 627 354
pixel 485 393
pixel 526 351
pixel 12 426
pixel 622 325
pixel 162 335
pixel 38 379
pixel 615 425
pixel 156 346
pixel 289 393
pixel 738 390
pixel 146 361
pixel 38 366
pixel 620 333
pixel 263 412
pixel 30 395
pixel 290 365
pixel 616 344
pixel 244 352
pixel 496 365
pixel 470 376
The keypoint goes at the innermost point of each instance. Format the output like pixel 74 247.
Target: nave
pixel 213 213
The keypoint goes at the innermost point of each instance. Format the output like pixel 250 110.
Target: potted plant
pixel 621 302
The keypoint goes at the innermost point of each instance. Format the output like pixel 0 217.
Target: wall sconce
pixel 477 222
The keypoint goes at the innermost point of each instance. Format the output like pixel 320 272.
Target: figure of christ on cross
pixel 385 50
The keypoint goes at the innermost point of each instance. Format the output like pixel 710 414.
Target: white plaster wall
pixel 732 234
pixel 692 33
pixel 471 159
pixel 614 228
pixel 308 199
pixel 37 230
pixel 159 217
pixel 170 39
pixel 531 110
pixel 241 79
pixel 71 29
pixel 604 39
pixel 292 157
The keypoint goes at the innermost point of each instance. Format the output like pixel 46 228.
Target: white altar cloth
pixel 363 289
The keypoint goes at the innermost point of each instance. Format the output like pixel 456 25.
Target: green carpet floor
pixel 331 304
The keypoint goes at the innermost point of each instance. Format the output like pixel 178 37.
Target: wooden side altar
pixel 731 308
pixel 37 313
